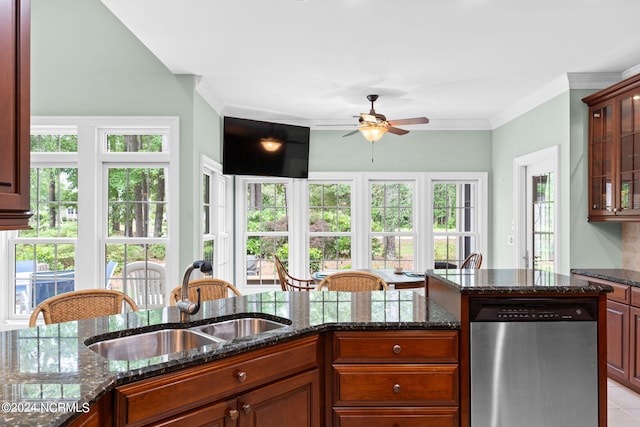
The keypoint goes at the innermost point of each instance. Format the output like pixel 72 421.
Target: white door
pixel 536 212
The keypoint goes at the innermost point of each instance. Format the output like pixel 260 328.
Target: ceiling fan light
pixel 372 132
pixel 270 144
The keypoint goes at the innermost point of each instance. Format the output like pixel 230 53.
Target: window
pixel 266 229
pixel 100 192
pixel 329 226
pixel 455 222
pixel 216 221
pixel 392 230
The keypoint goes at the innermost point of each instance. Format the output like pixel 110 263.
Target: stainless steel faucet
pixel 186 307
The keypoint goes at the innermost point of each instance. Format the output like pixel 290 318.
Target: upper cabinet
pixel 614 152
pixel 14 113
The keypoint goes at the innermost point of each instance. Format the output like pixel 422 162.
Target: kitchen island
pixel 511 350
pixel 51 378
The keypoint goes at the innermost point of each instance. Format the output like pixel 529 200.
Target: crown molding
pixel 552 89
pixel 631 72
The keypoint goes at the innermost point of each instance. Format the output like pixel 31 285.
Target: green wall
pixel 417 151
pixel 561 121
pixel 85 62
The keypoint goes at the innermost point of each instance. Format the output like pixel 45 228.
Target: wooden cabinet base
pixel 387 417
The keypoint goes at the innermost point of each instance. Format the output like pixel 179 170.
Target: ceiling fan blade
pixel 413 121
pixel 350 133
pixel 397 131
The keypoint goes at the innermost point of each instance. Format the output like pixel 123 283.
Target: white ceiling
pixel 465 64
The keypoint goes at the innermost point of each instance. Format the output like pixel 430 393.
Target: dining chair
pixel 145 283
pixel 290 283
pixel 82 304
pixel 472 262
pixel 353 281
pixel 210 289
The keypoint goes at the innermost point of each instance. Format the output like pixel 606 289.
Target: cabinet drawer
pixel 389 417
pixel 621 293
pixel 396 347
pixel 400 384
pixel 635 296
pixel 158 397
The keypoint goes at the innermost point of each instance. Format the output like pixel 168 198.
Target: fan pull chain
pixel 372 152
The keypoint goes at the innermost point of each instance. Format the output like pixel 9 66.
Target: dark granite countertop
pixel 514 281
pixel 617 275
pixel 49 376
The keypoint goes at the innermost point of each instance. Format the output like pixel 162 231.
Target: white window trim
pixel 360 213
pixel 91 196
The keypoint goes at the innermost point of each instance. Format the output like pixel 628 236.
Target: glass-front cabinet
pixel 614 152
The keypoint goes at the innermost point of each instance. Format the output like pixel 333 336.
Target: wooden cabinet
pixel 614 152
pixel 617 340
pixel 623 332
pixel 261 387
pixel 14 113
pixel 402 377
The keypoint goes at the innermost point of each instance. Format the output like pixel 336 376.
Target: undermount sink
pixel 239 328
pixel 151 344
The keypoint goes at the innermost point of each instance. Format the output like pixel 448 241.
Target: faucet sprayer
pixel 185 306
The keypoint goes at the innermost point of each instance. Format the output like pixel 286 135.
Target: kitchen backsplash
pixel 631 246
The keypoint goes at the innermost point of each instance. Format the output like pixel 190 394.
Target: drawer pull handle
pixel 397 349
pixel 233 414
pixel 397 388
pixel 246 408
pixel 241 376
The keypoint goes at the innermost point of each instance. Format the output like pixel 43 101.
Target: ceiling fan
pixel 373 125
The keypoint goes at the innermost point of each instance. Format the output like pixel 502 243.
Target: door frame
pixel 520 164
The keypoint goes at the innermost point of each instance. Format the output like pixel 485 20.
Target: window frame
pixel 90 159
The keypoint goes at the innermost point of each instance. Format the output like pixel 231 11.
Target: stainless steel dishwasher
pixel 534 362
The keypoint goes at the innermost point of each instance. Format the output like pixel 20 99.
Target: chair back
pixel 290 283
pixel 83 304
pixel 353 281
pixel 145 283
pixel 210 289
pixel 472 262
pixel 111 266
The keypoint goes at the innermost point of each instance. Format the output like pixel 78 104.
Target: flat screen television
pixel 252 147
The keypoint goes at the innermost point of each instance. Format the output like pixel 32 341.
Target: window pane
pixel 54 203
pixel 136 143
pixel 392 251
pixel 329 226
pixel 54 143
pixel 42 270
pixel 139 272
pixel 137 202
pixel 267 207
pixel 454 223
pixel 391 207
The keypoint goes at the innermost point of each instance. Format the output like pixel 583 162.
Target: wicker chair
pixel 210 289
pixel 290 283
pixel 83 304
pixel 473 262
pixel 353 281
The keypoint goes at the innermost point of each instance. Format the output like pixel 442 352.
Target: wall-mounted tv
pixel 252 147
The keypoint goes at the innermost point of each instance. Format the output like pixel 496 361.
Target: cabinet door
pixel 617 340
pixel 629 153
pixel 601 160
pixel 291 402
pixel 14 113
pixel 634 346
pixel 220 414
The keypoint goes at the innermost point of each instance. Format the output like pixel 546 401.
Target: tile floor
pixel 623 406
